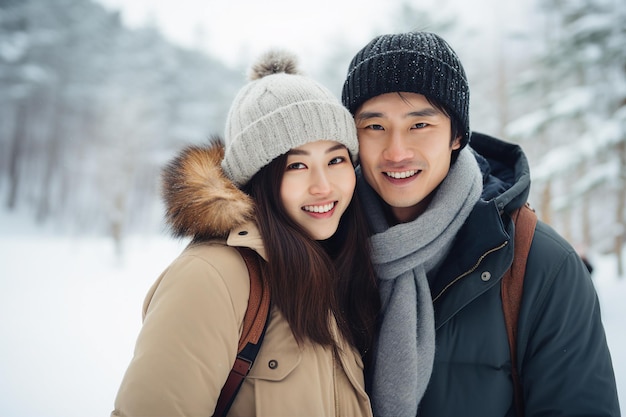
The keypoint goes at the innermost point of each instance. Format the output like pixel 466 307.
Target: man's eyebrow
pixel 424 112
pixel 368 115
pixel 427 112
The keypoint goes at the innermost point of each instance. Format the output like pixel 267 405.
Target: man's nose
pixel 396 149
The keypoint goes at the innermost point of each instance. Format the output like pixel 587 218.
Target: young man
pixel 442 236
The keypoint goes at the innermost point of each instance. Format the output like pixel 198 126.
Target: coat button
pixel 273 364
pixel 243 233
pixel 485 276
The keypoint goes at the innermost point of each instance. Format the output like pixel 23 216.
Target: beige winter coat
pixel 193 318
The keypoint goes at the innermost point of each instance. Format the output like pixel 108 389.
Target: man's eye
pixel 373 127
pixel 420 125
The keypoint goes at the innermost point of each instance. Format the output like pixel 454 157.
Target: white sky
pixel 236 29
pixel 239 30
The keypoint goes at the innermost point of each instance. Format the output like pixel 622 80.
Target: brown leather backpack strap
pixel 254 325
pixel 512 287
pixel 258 303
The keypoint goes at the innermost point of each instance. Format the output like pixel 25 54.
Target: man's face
pixel 404 151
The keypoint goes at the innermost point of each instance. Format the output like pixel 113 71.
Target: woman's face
pixel 317 186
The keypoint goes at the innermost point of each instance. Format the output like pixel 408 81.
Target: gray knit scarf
pixel 403 255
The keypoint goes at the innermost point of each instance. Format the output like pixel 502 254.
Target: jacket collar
pixel 506 173
pixel 247 235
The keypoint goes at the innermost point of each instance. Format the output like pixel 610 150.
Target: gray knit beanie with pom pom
pixel 278 110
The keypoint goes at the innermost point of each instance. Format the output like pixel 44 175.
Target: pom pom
pixel 274 62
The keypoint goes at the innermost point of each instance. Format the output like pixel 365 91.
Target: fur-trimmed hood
pixel 201 202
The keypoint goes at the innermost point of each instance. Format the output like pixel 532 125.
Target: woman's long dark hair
pixel 311 280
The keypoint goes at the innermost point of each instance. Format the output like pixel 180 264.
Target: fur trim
pixel 200 201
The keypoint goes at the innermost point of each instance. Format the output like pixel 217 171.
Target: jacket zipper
pixel 472 269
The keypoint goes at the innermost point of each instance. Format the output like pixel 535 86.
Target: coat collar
pixel 506 174
pixel 247 235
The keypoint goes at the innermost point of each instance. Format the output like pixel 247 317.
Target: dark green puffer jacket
pixel 563 358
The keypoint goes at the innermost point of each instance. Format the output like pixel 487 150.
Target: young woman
pixel 283 185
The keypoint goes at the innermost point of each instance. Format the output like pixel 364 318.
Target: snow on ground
pixel 71 311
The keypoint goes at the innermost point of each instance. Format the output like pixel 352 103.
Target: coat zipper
pixel 472 269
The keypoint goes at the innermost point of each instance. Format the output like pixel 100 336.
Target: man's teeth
pixel 320 209
pixel 400 175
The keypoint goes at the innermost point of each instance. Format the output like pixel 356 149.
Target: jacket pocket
pixel 274 365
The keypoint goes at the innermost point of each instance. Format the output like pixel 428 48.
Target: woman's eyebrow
pixel 329 150
pixel 335 148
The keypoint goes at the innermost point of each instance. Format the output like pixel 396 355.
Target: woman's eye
pixel 337 160
pixel 296 165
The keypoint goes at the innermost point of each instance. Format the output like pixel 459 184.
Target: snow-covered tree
pixel 576 127
pixel 90 110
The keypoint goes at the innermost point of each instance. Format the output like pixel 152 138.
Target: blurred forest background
pixel 90 109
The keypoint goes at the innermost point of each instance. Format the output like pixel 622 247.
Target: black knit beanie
pixel 414 62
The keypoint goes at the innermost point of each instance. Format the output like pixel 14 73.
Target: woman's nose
pixel 320 183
